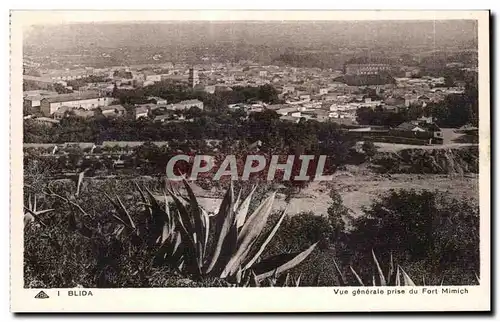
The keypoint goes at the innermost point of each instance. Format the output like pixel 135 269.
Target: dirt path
pixel 359 190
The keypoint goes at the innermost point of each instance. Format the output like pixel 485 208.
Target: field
pixel 451 140
pixel 359 188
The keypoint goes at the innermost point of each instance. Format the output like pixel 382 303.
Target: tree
pixel 338 214
pixel 60 89
pixel 420 228
pixel 268 94
pixel 193 112
pixel 369 149
pixel 457 109
pixel 115 90
pixel 368 116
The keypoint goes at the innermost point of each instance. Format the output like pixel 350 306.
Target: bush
pixel 369 149
pixel 420 227
pixel 435 238
pixel 127 241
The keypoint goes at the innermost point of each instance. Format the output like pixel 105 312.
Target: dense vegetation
pixel 436 238
pixel 86 240
pixel 152 158
pixel 439 161
pixel 457 109
pixel 174 92
pixel 454 111
pixel 265 126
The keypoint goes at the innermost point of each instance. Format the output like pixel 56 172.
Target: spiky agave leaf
pixel 30 204
pixel 391 270
pixel 169 221
pixel 406 278
pixel 237 200
pixel 297 281
pixel 379 270
pixel 272 280
pixel 145 201
pixel 206 225
pixel 141 192
pixel 254 279
pixel 34 216
pixel 79 182
pixel 127 214
pixel 360 281
pixel 118 231
pixel 190 249
pixel 398 277
pixel 165 233
pixel 183 218
pixel 281 263
pixel 124 216
pixel 246 278
pixel 283 280
pixel 170 251
pixel 342 279
pixel 249 233
pixel 199 228
pixel 242 209
pixel 266 242
pixel 224 221
pixel 239 275
pixel 159 214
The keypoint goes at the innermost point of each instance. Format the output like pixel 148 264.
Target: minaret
pixel 193 77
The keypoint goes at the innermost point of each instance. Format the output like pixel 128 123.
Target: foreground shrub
pixel 418 227
pixel 124 248
pixel 88 240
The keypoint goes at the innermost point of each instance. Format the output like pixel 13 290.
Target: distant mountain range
pixel 305 34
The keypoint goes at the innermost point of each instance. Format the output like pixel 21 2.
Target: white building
pixel 305 97
pixel 185 105
pixel 153 78
pixel 87 101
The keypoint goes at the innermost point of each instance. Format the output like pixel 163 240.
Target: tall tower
pixel 193 77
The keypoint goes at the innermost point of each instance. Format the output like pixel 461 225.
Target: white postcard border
pixel 304 299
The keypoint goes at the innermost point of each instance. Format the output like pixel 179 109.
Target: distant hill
pixel 276 33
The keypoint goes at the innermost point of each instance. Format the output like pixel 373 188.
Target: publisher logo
pixel 41 295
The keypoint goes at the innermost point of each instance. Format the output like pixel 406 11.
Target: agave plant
pixel 227 245
pixel 284 280
pixel 393 277
pixel 31 213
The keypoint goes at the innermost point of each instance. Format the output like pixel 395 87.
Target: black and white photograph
pixel 332 154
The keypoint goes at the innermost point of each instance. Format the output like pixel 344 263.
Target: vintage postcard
pixel 250 161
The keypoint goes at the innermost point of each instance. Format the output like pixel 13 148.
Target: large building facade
pixel 366 69
pixel 87 101
pixel 185 105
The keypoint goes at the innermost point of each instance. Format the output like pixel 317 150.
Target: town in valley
pixel 392 106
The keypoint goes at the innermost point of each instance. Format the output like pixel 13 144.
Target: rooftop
pixel 46 119
pixel 72 97
pixel 194 101
pixel 112 107
pixel 37 79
